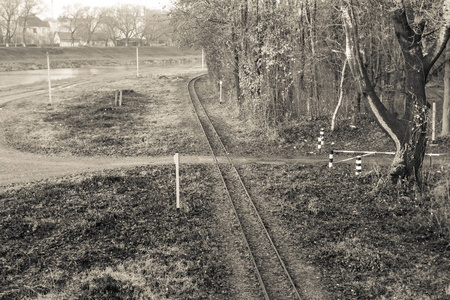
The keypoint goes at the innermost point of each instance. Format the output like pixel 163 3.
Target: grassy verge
pixel 299 137
pixel 152 121
pixel 111 235
pixel 76 57
pixel 369 240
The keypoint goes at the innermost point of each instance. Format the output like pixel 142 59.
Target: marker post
pixel 176 160
pixel 220 91
pixel 203 58
pixel 137 61
pixel 433 122
pixel 49 81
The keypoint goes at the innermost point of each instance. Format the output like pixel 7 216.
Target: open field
pixel 112 235
pixel 83 120
pixel 117 234
pixel 76 57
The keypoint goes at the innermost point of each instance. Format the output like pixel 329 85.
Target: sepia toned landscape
pixel 305 172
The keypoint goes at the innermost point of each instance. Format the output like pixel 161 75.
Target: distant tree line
pixel 122 21
pixel 117 22
pixel 283 59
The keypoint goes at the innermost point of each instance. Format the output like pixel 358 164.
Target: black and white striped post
pixel 322 132
pixel 330 163
pixel 319 144
pixel 358 165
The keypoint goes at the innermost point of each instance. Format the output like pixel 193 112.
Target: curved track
pixel 271 272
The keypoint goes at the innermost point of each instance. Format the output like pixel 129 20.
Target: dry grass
pixel 370 240
pixel 75 57
pixel 112 235
pixel 155 119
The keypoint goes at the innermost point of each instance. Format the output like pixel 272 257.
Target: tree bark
pixel 446 106
pixel 409 133
pixel 341 93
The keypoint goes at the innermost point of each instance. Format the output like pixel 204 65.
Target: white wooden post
pixel 220 91
pixel 433 121
pixel 49 81
pixel 176 160
pixel 137 61
pixel 120 98
pixel 203 58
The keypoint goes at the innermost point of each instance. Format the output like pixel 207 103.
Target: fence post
pixel 322 132
pixel 433 120
pixel 176 160
pixel 330 163
pixel 203 58
pixel 358 165
pixel 49 81
pixel 220 92
pixel 120 98
pixel 137 61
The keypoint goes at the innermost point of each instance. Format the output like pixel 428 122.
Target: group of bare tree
pixel 120 21
pixel 14 12
pixel 285 58
pixel 115 22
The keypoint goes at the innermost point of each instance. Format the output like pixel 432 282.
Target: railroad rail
pixel 271 272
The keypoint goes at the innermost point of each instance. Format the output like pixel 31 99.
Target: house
pixel 132 42
pixel 98 40
pixel 37 32
pixel 64 39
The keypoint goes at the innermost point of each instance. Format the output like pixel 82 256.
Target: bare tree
pixel 72 19
pixel 157 25
pixel 141 25
pixel 9 12
pixel 110 24
pixel 28 9
pixel 126 16
pixel 92 18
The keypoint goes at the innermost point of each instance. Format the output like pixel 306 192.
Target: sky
pixel 59 4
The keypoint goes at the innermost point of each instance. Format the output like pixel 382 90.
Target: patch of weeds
pixel 112 235
pixel 369 239
pixel 87 123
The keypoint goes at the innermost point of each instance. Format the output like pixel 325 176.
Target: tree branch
pixel 436 49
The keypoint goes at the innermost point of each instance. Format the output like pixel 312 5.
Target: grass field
pixel 74 57
pixel 116 234
pixel 112 235
pixel 83 121
pixel 368 239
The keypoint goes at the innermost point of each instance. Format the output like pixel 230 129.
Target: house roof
pixel 33 21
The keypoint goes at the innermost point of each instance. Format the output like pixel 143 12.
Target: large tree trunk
pixel 446 106
pixel 24 31
pixel 408 133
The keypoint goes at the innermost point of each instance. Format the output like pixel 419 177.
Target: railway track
pixel 274 279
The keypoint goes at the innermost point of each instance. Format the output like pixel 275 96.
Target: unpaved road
pixel 19 167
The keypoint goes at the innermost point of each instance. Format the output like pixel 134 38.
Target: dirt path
pixel 20 167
